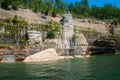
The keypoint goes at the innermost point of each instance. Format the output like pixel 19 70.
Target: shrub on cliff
pixel 50 35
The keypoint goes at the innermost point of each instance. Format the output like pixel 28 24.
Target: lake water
pixel 102 67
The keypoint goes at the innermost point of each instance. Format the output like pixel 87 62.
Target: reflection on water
pixel 105 67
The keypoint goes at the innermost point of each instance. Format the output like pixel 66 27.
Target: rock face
pixel 67 30
pixel 81 44
pixel 67 33
pixel 46 55
pixel 103 46
pixel 84 24
pixel 8 58
pixel 71 46
pixel 34 36
pixel 33 18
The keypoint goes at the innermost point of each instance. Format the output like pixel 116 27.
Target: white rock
pixel 46 55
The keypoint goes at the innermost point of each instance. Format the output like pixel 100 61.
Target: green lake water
pixel 102 67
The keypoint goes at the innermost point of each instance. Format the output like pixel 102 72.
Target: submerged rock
pixel 8 58
pixel 46 55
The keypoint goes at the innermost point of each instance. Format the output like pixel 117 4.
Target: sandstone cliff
pixel 38 18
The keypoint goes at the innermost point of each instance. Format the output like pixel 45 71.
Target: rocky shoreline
pixel 45 55
pixel 48 55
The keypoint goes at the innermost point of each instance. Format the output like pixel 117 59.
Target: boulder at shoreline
pixel 46 55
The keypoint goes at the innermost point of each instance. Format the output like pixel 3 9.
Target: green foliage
pixel 74 37
pixel 19 20
pixel 54 13
pixel 14 3
pixel 51 35
pixel 79 9
pixel 117 38
pixel 89 31
pixel 46 13
pixel 107 12
pixel 8 20
pixel 52 29
pixel 13 27
pixel 15 20
pixel 115 21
